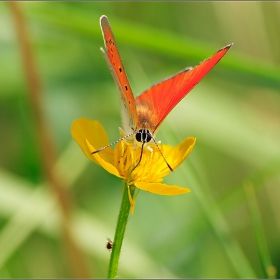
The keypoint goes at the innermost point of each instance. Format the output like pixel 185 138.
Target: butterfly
pixel 143 115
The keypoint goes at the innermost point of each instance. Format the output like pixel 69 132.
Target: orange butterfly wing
pixel 155 104
pixel 112 56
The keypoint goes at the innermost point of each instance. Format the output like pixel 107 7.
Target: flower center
pixel 151 168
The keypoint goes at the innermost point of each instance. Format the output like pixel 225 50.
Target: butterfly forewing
pixel 155 104
pixel 113 59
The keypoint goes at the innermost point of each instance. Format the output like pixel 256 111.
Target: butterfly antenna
pixel 113 143
pixel 162 155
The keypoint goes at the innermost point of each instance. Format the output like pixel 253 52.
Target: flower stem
pixel 120 230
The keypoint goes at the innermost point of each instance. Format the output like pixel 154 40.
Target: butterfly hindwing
pixel 161 98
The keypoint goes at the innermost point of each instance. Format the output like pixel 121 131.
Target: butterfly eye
pixel 143 136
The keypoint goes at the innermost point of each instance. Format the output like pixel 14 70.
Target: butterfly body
pixel 142 116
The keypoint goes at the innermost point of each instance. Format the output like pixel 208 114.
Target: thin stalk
pixel 120 231
pixel 269 271
pixel 45 140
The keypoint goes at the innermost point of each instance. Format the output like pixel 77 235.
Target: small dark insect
pixel 109 244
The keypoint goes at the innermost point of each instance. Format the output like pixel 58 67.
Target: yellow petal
pixel 163 189
pixel 175 156
pixel 90 135
pixel 97 158
pixel 95 134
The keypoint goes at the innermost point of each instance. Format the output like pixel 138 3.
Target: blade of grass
pixel 26 218
pixel 221 229
pixel 34 92
pixel 30 211
pixel 233 196
pixel 26 209
pixel 269 270
pixel 82 22
pixel 216 219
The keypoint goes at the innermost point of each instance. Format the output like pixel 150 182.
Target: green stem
pixel 120 230
pixel 269 271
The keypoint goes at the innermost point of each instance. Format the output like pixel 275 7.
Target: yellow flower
pixel 148 175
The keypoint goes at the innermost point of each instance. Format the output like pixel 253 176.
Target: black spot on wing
pixel 111 42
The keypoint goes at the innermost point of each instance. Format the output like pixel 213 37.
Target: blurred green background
pixel 228 225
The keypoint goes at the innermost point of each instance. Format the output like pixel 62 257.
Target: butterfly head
pixel 143 136
pixel 137 137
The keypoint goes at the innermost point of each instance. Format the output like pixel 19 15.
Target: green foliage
pixel 220 229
